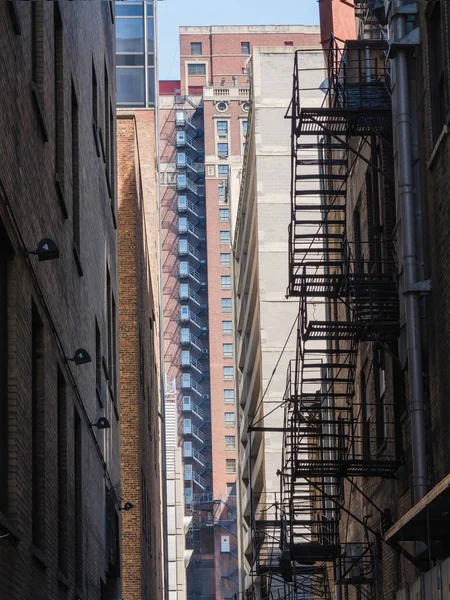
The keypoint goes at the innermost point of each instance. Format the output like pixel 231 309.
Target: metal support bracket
pixel 408 41
pixel 422 288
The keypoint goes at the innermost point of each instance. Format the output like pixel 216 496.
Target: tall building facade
pixel 141 435
pixel 144 548
pixel 60 506
pixel 264 320
pixel 202 142
pixel 365 474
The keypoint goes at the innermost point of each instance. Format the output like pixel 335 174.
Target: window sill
pixel 437 145
pixel 76 255
pixel 37 103
pixel 39 557
pixel 60 192
pixel 10 528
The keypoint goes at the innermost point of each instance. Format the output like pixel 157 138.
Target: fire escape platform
pixel 346 468
pixel 345 121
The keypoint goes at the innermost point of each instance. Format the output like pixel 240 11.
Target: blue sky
pixel 173 13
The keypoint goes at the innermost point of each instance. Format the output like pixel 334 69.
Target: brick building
pixel 140 411
pixel 59 463
pixel 202 143
pixel 365 473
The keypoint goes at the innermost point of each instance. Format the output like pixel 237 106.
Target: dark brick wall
pixel 69 294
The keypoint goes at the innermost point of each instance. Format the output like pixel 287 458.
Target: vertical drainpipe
pixel 161 320
pixel 405 179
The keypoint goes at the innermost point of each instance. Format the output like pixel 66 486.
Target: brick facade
pixel 59 476
pixel 142 546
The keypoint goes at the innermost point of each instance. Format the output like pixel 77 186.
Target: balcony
pixel 190 452
pixel 226 93
pixel 190 429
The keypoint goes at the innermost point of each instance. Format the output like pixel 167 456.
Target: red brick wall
pixel 139 343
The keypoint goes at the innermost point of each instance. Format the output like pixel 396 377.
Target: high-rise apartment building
pixel 60 500
pixel 144 557
pixel 202 142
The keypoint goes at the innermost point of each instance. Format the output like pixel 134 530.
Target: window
pixel 185 358
pixel 222 149
pixel 222 127
pixel 130 82
pixel 184 314
pixel 184 291
pixel 230 465
pixel 225 282
pixel 225 543
pixel 180 118
pixel 196 48
pixel 224 214
pixel 37 429
pixel 223 170
pixel 185 335
pixel 379 373
pixel 228 373
pixel 222 106
pixel 181 181
pixel 226 304
pixel 245 47
pixel 130 35
pixel 75 174
pixel 227 327
pixel 78 449
pixel 229 419
pixel 246 106
pixel 58 58
pixel 182 225
pixel 365 415
pixel 244 128
pixel 187 449
pixel 225 260
pixel 186 380
pixel 225 237
pixel 231 489
pixel 288 43
pixel 228 396
pixel 230 442
pixel 228 350
pixel 182 247
pixel 437 70
pixel 98 362
pixel 111 325
pixel 188 472
pixel 222 194
pixel 196 69
pixel 61 433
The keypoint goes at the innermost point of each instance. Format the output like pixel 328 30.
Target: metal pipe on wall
pixel 410 261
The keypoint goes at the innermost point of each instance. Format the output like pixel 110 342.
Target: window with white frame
pixel 226 305
pixel 225 282
pixel 223 170
pixel 225 237
pixel 222 149
pixel 230 419
pixel 224 214
pixel 186 380
pixel 196 69
pixel 222 194
pixel 227 327
pixel 222 128
pixel 228 373
pixel 230 442
pixel 230 465
pixel 228 396
pixel 225 259
pixel 227 350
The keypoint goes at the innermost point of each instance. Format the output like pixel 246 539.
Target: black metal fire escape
pixel 346 297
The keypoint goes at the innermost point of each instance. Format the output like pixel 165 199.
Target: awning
pixel 428 520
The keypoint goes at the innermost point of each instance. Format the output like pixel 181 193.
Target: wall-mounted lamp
pixel 81 357
pixel 46 250
pixel 102 423
pixel 127 506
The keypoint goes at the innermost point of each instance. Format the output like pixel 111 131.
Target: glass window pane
pixel 222 127
pixel 224 237
pixel 130 86
pixel 129 10
pixel 129 35
pixel 149 9
pixel 223 170
pixel 196 69
pixel 228 396
pixel 150 35
pixel 130 60
pixel 151 85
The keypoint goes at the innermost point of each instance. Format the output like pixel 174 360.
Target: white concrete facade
pixel 265 321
